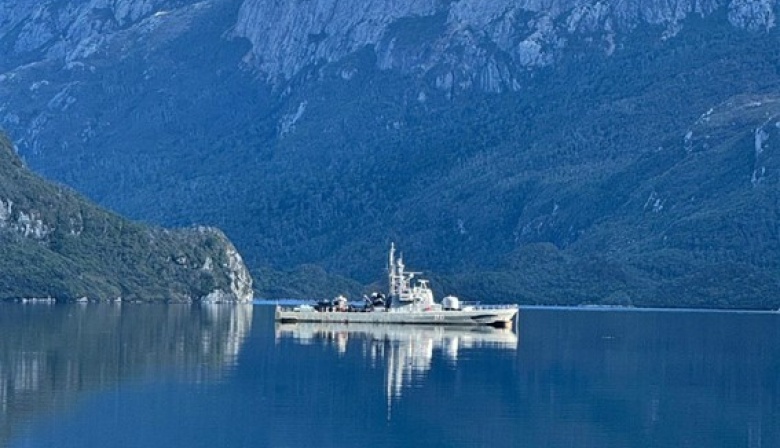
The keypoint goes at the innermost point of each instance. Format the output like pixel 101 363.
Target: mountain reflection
pixel 659 379
pixel 51 354
pixel 407 350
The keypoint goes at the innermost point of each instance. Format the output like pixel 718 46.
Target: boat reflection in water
pixel 407 350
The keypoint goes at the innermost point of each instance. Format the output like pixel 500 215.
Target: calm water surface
pixel 227 376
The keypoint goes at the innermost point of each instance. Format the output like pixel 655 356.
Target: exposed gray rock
pixel 72 30
pixel 23 223
pixel 752 15
pixel 288 36
pixel 240 288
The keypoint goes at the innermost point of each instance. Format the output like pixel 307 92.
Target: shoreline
pixel 291 302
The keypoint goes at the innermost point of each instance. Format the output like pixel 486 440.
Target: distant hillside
pixel 568 151
pixel 55 244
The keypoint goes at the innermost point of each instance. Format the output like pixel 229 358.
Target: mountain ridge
pixel 540 152
pixel 493 41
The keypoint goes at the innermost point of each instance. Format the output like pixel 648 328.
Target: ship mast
pixel 393 287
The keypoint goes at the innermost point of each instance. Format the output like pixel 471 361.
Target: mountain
pixel 57 245
pixel 567 151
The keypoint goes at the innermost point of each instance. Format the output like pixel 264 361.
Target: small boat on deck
pixel 408 301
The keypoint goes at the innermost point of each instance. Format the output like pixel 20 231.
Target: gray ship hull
pixel 492 316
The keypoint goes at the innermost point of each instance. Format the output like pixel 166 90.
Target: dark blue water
pixel 226 376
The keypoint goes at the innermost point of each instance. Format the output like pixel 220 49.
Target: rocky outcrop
pixel 287 36
pixel 761 114
pixel 466 44
pixel 72 31
pixel 239 284
pixel 24 224
pixel 753 15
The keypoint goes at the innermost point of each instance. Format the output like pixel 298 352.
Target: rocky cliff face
pixel 73 30
pixel 499 38
pixel 463 43
pixel 58 53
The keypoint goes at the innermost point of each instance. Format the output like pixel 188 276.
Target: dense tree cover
pixel 603 179
pixel 81 250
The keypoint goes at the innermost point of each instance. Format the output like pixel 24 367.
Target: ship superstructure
pixel 408 301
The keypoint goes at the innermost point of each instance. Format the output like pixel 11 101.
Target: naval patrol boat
pixel 409 301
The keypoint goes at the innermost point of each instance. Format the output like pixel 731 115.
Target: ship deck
pixel 497 316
